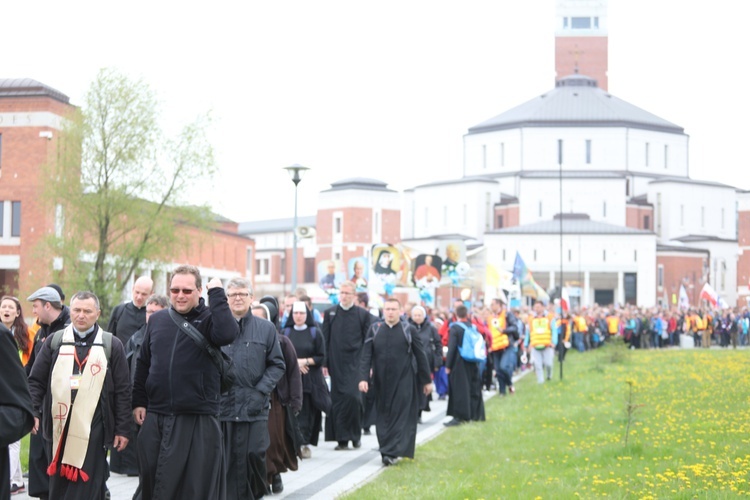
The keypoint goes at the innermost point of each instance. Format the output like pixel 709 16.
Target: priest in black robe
pixel 344 329
pixel 400 371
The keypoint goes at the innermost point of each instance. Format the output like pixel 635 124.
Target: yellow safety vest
pixel 613 325
pixel 497 326
pixel 581 325
pixel 540 334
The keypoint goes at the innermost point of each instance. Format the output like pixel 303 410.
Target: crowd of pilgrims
pixel 316 378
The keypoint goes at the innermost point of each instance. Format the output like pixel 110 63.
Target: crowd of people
pixel 218 398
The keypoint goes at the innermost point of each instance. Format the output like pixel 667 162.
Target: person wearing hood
pixel 286 402
pixel 433 346
pixel 310 347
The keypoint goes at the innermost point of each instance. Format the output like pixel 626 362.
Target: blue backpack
pixel 473 348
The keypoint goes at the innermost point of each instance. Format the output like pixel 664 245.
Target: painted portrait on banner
pixel 330 274
pixel 386 269
pixel 426 273
pixel 359 272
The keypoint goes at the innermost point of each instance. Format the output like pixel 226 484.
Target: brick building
pixel 31 117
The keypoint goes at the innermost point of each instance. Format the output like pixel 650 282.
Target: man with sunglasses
pixel 176 393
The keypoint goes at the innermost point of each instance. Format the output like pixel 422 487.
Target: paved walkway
pixel 329 473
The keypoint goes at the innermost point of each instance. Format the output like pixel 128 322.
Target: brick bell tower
pixel 581 39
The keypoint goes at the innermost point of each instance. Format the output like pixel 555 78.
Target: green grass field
pixel 689 434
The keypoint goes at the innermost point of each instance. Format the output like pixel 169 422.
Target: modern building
pixel 592 191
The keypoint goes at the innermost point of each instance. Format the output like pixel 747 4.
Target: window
pixel 635 255
pixel 682 215
pixel 466 212
pixel 337 225
pixel 588 151
pixel 15 225
pixel 722 218
pixel 565 22
pixel 580 23
pixel 249 261
pixel 570 255
pixel 535 255
pixel 596 23
pixel 540 209
pixel 487 211
pixel 499 222
pixel 559 151
pixel 604 209
pixel 604 256
pixel 646 222
pixel 503 255
pixel 647 154
pixel 282 264
pixel 336 255
pixel 261 267
pixel 502 154
pixel 484 156
pixel 666 156
pixel 660 276
pixel 703 216
pixel 445 215
pixel 309 272
pixel 59 221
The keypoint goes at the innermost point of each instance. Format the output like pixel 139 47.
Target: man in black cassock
pixel 176 394
pixel 125 320
pixel 396 356
pixel 344 329
pixel 465 401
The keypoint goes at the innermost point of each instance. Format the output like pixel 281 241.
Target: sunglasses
pixel 185 291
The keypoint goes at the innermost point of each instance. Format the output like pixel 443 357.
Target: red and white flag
pixel 565 300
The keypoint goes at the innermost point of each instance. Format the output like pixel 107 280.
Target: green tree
pixel 119 188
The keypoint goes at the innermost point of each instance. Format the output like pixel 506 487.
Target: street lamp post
pixel 296 172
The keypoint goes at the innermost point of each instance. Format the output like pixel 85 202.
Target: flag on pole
pixel 708 293
pixel 526 280
pixel 684 301
pixel 565 300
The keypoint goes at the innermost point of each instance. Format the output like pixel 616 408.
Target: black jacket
pixel 173 376
pixel 431 341
pixel 44 331
pixel 259 365
pixel 115 395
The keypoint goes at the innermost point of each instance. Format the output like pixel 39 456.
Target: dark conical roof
pixel 576 101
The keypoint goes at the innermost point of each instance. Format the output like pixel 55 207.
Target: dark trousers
pixel 38 462
pixel 245 445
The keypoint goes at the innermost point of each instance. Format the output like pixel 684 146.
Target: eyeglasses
pixel 346 293
pixel 241 295
pixel 185 291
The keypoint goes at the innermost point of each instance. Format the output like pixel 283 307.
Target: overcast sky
pixel 379 89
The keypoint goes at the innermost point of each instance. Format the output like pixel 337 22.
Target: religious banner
pixel 386 271
pixel 358 270
pixel 331 275
pixel 426 277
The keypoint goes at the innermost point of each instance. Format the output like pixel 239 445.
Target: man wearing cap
pixel 51 316
pixel 125 320
pixel 244 408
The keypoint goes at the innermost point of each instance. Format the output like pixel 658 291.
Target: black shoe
pixel 366 431
pixel 453 423
pixel 388 461
pixel 357 444
pixel 343 445
pixel 276 485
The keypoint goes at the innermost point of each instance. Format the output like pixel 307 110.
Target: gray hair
pixel 85 296
pixel 159 300
pixel 240 283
